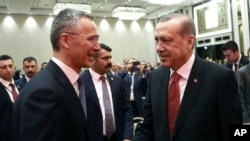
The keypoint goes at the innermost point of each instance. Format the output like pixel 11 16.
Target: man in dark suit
pixel 136 84
pixel 235 59
pixel 48 107
pixel 7 98
pixel 119 98
pixel 30 69
pixel 188 98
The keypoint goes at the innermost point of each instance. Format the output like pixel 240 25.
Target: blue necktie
pixel 108 111
pixel 82 96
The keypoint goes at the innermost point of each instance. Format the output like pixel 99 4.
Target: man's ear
pixel 64 40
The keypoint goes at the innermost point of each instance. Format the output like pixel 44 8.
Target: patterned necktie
pixel 82 96
pixel 107 106
pixel 173 101
pixel 13 91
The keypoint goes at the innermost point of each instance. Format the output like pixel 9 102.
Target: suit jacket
pixel 20 83
pixel 140 88
pixel 6 106
pixel 209 105
pixel 48 108
pixel 243 77
pixel 122 109
pixel 243 61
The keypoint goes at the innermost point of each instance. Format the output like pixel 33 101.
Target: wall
pixel 23 35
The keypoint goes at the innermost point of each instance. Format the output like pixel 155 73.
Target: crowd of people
pixel 183 98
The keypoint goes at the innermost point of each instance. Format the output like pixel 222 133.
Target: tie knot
pixel 103 78
pixel 79 81
pixel 175 76
pixel 12 85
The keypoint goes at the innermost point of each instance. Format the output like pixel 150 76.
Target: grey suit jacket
pixel 209 105
pixel 243 77
pixel 48 109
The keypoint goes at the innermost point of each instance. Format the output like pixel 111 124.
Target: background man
pixel 122 115
pixel 233 56
pixel 8 94
pixel 30 69
pixel 136 84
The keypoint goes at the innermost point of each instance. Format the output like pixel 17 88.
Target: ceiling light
pixel 166 2
pixel 128 13
pixel 61 6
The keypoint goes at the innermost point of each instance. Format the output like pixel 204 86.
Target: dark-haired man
pixel 110 116
pixel 30 69
pixel 8 94
pixel 234 58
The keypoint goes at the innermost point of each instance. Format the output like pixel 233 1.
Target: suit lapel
pixel 70 92
pixel 112 83
pixel 5 94
pixel 195 81
pixel 90 90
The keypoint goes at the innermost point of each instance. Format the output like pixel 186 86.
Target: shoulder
pixel 244 68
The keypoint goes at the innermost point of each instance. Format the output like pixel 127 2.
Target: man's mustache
pixel 109 65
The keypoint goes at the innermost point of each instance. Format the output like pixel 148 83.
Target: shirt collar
pixel 6 83
pixel 69 72
pixel 96 76
pixel 238 61
pixel 185 69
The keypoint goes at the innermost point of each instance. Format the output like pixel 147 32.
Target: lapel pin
pixel 195 80
pixel 112 78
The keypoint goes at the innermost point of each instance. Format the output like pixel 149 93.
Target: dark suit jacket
pixel 140 88
pixel 209 105
pixel 48 109
pixel 243 61
pixel 122 109
pixel 6 106
pixel 20 83
pixel 243 77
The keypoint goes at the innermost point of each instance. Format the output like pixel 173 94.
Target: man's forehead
pixel 5 62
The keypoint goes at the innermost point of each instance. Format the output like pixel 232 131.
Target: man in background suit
pixel 243 78
pixel 7 98
pixel 48 107
pixel 136 84
pixel 119 97
pixel 30 69
pixel 234 58
pixel 207 103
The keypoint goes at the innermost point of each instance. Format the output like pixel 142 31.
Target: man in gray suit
pixel 243 77
pixel 48 108
pixel 206 101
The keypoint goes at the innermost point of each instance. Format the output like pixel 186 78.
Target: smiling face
pixel 80 44
pixel 174 47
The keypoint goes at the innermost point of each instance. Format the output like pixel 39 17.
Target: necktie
pixel 235 67
pixel 82 96
pixel 173 101
pixel 13 91
pixel 107 106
